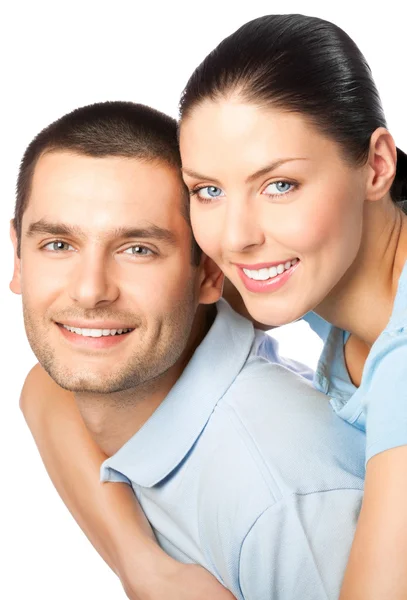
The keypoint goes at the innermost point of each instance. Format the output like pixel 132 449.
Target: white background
pixel 54 58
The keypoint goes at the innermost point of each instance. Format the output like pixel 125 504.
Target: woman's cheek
pixel 296 230
pixel 308 225
pixel 206 229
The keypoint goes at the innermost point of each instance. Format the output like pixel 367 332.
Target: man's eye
pixel 58 246
pixel 138 251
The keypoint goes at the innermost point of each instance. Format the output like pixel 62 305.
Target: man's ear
pixel 211 281
pixel 15 284
pixel 382 161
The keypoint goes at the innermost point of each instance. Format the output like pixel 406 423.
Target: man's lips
pixel 94 324
pixel 95 338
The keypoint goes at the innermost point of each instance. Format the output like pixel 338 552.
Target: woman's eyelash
pixel 293 184
pixel 293 187
pixel 197 190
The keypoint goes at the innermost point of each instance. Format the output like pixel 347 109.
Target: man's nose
pixel 241 229
pixel 93 282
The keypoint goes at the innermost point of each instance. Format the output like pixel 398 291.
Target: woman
pixel 294 184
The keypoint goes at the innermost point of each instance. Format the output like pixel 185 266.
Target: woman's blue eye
pixel 58 246
pixel 277 188
pixel 209 192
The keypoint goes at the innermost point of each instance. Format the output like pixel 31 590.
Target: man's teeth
pixel 96 332
pixel 269 272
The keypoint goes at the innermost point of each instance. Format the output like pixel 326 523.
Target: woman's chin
pixel 273 317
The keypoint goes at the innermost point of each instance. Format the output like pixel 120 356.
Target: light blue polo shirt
pixel 379 405
pixel 246 470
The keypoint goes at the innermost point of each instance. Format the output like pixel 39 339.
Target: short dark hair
pixel 105 129
pixel 304 65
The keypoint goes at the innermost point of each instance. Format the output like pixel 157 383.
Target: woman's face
pixel 273 203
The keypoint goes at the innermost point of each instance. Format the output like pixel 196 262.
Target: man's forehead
pixel 59 168
pixel 107 193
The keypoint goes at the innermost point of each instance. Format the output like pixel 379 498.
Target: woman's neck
pixel 362 301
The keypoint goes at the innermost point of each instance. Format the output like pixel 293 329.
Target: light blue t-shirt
pixel 245 470
pixel 379 405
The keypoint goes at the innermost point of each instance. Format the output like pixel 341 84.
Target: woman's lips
pixel 270 284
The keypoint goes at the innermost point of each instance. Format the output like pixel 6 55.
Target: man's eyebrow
pixel 43 226
pixel 263 171
pixel 149 231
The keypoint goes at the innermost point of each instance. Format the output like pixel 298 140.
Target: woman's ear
pixel 211 281
pixel 15 283
pixel 382 162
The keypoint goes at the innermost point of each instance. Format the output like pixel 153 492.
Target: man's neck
pixel 113 419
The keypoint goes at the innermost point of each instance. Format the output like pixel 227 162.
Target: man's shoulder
pixel 272 450
pixel 279 427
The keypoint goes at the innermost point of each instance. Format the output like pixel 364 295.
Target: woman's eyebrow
pixel 263 171
pixel 271 167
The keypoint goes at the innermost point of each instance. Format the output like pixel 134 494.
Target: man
pixel 238 463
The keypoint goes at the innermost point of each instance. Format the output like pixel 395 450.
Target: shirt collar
pixel 168 435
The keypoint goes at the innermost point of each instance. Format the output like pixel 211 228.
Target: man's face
pixel 109 291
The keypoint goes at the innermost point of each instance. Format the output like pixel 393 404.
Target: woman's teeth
pixel 96 332
pixel 269 272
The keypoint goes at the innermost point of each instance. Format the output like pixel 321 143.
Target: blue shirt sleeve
pixel 299 548
pixel 385 393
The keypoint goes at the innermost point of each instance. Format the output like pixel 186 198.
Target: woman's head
pixel 284 87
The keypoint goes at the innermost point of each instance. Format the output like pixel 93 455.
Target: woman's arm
pixel 108 513
pixel 377 567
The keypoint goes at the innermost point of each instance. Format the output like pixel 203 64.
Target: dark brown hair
pixel 300 64
pixel 105 129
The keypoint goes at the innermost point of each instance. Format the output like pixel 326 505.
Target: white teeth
pixel 268 273
pixel 264 274
pixel 95 332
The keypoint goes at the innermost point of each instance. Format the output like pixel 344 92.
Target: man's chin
pixel 88 383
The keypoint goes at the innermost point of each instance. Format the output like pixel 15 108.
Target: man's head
pixel 103 245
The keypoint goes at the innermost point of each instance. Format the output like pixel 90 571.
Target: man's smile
pixel 94 338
